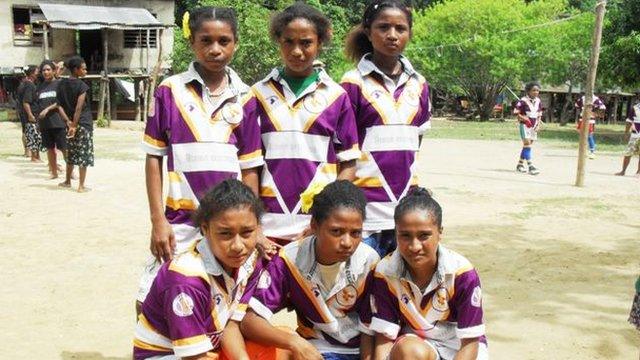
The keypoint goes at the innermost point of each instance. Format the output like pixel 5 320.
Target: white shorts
pixel 186 236
pixel 528 133
pixel 446 353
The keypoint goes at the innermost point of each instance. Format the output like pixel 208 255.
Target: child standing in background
pixel 392 109
pixel 529 113
pixel 597 108
pixel 308 129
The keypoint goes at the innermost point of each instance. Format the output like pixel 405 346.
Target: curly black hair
pixel 419 199
pixel 229 194
pixel 357 43
pixel 300 10
pixel 338 194
pixel 211 13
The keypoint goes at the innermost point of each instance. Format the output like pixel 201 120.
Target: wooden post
pixel 145 99
pixel 153 77
pixel 45 41
pixel 588 94
pixel 148 49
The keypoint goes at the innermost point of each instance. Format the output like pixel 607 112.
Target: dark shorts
pixel 81 148
pixel 54 138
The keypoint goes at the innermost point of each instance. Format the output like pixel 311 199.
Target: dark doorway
pixel 91 49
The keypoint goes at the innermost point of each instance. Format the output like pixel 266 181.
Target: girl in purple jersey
pixel 528 111
pixel 392 110
pixel 426 300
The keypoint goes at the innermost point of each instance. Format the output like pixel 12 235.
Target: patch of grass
pixel 608 137
pixel 567 207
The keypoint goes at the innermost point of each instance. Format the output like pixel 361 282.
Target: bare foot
pixel 51 177
pixel 65 184
pixel 621 173
pixel 83 189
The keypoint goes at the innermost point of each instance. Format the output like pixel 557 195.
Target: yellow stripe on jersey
pixel 309 294
pixel 190 340
pixel 313 119
pixel 196 96
pixel 188 272
pixel 375 105
pixel 146 346
pixel 180 204
pixel 154 142
pixel 144 322
pixel 185 116
pixel 267 192
pixel 174 177
pixel 368 182
pixel 272 118
pixel 459 272
pixel 331 169
pixel 403 308
pixel 250 156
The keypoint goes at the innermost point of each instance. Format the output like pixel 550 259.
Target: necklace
pixel 221 88
pixel 314 267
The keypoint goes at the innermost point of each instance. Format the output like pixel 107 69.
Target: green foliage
pixel 490 54
pixel 620 58
pixel 102 122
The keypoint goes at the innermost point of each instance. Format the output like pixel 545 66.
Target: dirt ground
pixel 557 263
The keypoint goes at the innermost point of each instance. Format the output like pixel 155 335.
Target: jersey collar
pixel 236 85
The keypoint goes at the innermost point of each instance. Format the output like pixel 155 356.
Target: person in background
pixel 26 98
pixel 529 113
pixel 52 125
pixel 598 110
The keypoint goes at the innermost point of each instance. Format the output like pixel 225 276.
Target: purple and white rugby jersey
pixel 447 310
pixel 304 138
pixel 190 302
pixel 204 143
pixel 391 118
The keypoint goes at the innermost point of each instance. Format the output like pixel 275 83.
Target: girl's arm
pixel 347 170
pixel 64 116
pixel 27 109
pixel 366 347
pixel 468 349
pixel 251 179
pixel 382 347
pixel 163 241
pixel 256 328
pixel 233 342
pixel 46 110
pixel 78 109
pixel 205 356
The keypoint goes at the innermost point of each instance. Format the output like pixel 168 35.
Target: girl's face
pixel 390 32
pixel 299 47
pixel 418 236
pixel 232 236
pixel 214 45
pixel 47 72
pixel 534 92
pixel 338 235
pixel 80 71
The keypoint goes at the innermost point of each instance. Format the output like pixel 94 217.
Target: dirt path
pixel 557 263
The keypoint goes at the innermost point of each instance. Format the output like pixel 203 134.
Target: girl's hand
pixel 305 233
pixel 267 248
pixel 163 241
pixel 32 118
pixel 42 114
pixel 301 349
pixel 71 132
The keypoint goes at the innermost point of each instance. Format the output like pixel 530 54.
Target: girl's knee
pixel 410 347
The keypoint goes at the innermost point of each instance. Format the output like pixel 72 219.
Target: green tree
pixel 621 45
pixel 477 47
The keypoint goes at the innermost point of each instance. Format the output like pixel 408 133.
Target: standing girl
pixel 598 110
pixel 322 278
pixel 197 125
pixel 391 104
pixel 27 99
pixel 192 308
pixel 307 124
pixel 529 113
pixel 51 123
pixel 426 299
pixel 72 97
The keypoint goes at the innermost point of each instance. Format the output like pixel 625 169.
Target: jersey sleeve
pixel 364 307
pixel 424 122
pixel 155 141
pixel 353 93
pixel 252 283
pixel 519 107
pixel 468 305
pixel 346 136
pixel 29 95
pixel 385 310
pixel 187 311
pixel 271 292
pixel 248 134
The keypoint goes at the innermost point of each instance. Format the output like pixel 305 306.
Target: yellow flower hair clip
pixel 308 195
pixel 186 31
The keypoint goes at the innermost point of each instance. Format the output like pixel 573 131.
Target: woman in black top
pixel 52 125
pixel 72 97
pixel 26 96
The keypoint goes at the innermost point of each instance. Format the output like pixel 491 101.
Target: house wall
pixel 63 40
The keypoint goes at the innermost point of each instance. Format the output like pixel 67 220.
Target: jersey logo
pixel 347 296
pixel 265 280
pixel 476 297
pixel 232 113
pixel 217 299
pixel 183 305
pixel 440 298
pixel 315 103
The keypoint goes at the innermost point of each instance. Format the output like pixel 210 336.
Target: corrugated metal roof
pixel 81 17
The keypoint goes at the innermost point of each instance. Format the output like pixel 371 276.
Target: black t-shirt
pixel 47 95
pixel 26 93
pixel 68 92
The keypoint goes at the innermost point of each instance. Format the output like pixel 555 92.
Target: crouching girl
pixel 426 300
pixel 322 278
pixel 194 298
